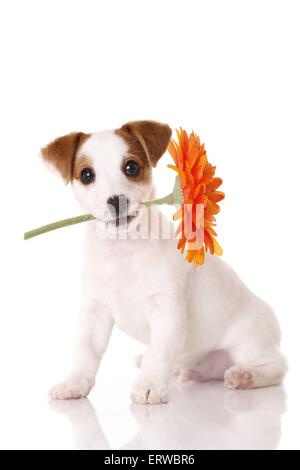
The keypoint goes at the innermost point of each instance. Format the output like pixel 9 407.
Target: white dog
pixel 203 322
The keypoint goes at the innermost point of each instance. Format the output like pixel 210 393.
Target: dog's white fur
pixel 203 322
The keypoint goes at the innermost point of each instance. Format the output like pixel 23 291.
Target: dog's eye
pixel 87 176
pixel 131 168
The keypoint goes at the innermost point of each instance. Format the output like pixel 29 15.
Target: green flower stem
pixel 169 200
pixel 56 225
pixel 174 198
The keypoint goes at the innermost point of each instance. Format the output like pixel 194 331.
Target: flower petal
pixel 217 248
pixel 199 187
pixel 214 184
pixel 216 196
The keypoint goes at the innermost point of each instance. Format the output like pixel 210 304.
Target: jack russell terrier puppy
pixel 204 323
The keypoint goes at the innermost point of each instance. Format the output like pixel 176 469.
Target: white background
pixel 230 71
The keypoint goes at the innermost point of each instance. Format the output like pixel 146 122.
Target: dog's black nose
pixel 118 205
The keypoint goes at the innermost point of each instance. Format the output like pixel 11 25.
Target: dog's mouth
pixel 122 220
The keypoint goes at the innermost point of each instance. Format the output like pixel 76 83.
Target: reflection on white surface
pixel 199 416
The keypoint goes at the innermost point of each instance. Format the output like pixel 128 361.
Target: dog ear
pixel 153 137
pixel 61 153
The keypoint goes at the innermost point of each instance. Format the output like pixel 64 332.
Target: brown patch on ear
pixel 150 137
pixel 62 152
pixel 81 162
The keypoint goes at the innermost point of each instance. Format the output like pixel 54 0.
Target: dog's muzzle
pixel 118 206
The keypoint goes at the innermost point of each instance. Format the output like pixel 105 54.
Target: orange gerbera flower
pixel 200 198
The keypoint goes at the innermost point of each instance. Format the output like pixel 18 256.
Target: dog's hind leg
pixel 254 345
pixel 264 374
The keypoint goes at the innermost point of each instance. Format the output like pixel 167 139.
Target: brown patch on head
pixel 81 162
pixel 144 175
pixel 138 156
pixel 62 153
pixel 148 139
pixel 136 153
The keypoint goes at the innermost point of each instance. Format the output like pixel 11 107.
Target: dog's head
pixel 111 171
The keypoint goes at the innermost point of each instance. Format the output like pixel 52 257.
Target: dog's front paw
pixel 149 392
pixel 72 388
